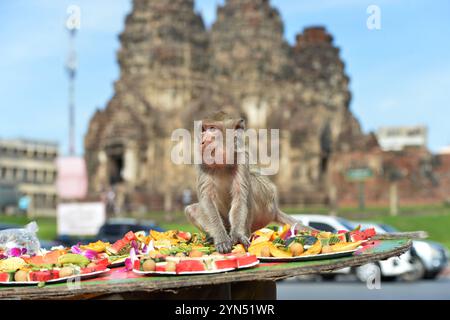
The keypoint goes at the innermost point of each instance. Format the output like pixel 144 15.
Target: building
pixel 444 151
pixel 399 138
pixel 29 166
pixel 173 70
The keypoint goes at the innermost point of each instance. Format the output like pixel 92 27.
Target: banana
pixel 344 246
pixel 71 258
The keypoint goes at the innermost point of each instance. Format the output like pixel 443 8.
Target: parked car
pixel 427 257
pixel 5 226
pixel 113 230
pixel 390 269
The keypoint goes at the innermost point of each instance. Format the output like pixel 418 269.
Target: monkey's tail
pixel 284 218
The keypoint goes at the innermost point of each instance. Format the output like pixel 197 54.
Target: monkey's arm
pixel 239 211
pixel 213 225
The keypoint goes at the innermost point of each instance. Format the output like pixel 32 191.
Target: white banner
pixel 80 219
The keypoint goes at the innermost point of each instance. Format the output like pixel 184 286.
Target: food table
pixel 254 283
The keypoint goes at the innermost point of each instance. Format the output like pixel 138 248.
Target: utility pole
pixel 71 67
pixel 72 25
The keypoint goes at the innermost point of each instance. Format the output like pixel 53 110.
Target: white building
pixel 444 150
pixel 30 167
pixel 399 138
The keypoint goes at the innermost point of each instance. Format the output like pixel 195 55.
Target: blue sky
pixel 400 75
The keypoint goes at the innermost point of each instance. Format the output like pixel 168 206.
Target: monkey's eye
pixel 211 129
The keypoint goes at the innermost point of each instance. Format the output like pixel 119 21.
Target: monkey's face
pixel 218 142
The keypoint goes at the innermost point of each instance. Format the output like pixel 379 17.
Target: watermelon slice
pixel 161 266
pixel 357 236
pixel 246 260
pixel 122 243
pixel 54 274
pixel 370 232
pixel 225 263
pixel 342 237
pixel 87 270
pixel 6 277
pixel 41 276
pixel 190 265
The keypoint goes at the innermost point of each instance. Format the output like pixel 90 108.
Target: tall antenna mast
pixel 72 24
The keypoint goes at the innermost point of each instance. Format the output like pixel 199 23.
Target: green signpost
pixel 360 175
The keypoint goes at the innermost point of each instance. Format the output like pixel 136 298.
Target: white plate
pixel 81 276
pixel 249 265
pixel 165 273
pixel 120 262
pixel 321 256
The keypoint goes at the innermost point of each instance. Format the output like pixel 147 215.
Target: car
pixel 389 269
pixel 114 229
pixel 5 226
pixel 428 257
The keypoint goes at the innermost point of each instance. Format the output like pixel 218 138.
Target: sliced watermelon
pixel 342 237
pixel 184 235
pixel 226 263
pixel 6 276
pixel 54 274
pixel 190 265
pixel 246 260
pixel 357 236
pixel 129 236
pixel 370 232
pixel 161 266
pixel 41 276
pixel 122 243
pixel 88 270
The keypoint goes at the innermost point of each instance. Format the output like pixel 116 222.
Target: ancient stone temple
pixel 172 69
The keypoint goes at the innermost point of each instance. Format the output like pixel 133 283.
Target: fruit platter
pixel 50 267
pixel 283 244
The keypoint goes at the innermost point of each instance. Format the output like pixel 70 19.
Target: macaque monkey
pixel 234 200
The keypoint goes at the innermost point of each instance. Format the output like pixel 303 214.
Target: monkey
pixel 234 199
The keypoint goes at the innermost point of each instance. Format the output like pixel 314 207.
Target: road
pixel 354 290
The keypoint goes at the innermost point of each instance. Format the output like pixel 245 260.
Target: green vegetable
pixel 72 258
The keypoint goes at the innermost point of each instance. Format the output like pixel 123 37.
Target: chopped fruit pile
pixel 286 242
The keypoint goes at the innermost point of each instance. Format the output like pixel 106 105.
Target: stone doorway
pixel 116 163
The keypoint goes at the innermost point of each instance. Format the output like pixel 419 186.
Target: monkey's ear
pixel 240 124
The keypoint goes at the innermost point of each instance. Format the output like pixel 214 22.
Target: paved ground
pixel 354 290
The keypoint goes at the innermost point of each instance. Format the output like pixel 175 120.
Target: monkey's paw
pixel 224 246
pixel 240 238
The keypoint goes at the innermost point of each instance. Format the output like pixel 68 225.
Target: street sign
pixel 359 174
pixel 80 219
